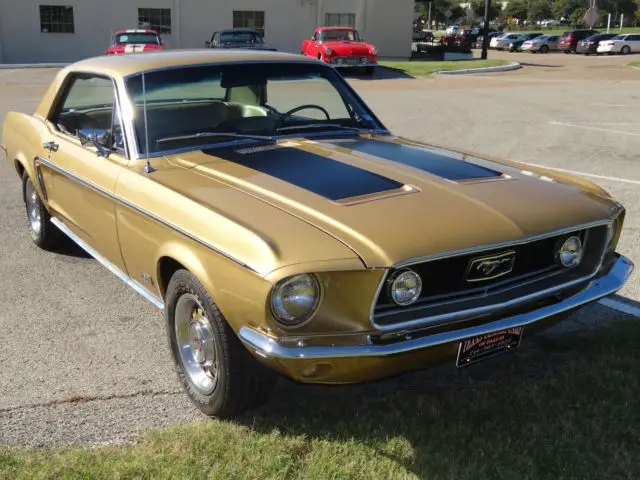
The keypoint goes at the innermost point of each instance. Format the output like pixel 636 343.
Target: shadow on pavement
pixel 468 423
pixel 380 73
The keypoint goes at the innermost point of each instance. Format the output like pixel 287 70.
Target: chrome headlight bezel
pixel 396 277
pixel 328 51
pixel 566 252
pixel 285 318
pixel 374 51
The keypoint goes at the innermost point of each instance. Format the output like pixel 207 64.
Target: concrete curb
pixel 501 68
pixel 16 66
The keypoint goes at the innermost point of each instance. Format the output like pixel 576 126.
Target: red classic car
pixel 134 41
pixel 341 47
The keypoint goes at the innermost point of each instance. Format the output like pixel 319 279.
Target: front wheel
pixel 217 372
pixel 44 233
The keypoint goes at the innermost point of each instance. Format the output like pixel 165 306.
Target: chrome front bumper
pixel 268 348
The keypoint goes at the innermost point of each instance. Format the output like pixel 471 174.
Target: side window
pixel 634 38
pixel 89 103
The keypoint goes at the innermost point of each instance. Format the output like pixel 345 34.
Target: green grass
pixel 635 64
pixel 567 409
pixel 421 68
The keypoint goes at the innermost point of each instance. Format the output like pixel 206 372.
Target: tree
pixel 477 6
pixel 442 11
pixel 539 10
pixel 517 9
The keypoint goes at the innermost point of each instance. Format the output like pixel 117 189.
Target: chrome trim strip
pixel 482 248
pixel 268 347
pixel 489 308
pixel 110 266
pixel 149 215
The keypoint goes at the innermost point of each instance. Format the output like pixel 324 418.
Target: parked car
pixel 590 44
pixel 341 47
pixel 569 39
pixel 516 45
pixel 623 44
pixel 475 35
pixel 479 38
pixel 542 44
pixel 503 41
pixel 264 207
pixel 245 38
pixel 134 41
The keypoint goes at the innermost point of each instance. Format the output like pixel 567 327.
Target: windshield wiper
pixel 214 134
pixel 310 126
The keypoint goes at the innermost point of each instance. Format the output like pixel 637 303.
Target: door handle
pixel 51 146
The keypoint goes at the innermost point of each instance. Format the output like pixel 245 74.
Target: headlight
pixel 295 299
pixel 405 287
pixel 328 51
pixel 570 253
pixel 374 51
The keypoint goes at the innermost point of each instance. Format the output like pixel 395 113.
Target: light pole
pixel 485 29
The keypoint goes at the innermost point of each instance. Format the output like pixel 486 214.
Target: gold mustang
pixel 261 203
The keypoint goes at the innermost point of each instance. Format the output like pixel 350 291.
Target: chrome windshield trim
pixel 268 347
pixel 242 142
pixel 150 297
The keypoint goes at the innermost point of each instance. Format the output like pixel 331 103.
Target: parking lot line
pixel 620 306
pixel 607 130
pixel 583 174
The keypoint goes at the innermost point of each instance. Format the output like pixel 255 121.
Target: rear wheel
pixel 44 233
pixel 544 49
pixel 625 50
pixel 217 372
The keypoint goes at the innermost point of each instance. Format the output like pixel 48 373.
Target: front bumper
pixel 357 363
pixel 369 63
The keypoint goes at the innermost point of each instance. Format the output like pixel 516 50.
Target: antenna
pixel 147 167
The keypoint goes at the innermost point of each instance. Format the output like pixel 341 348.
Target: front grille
pixel 447 295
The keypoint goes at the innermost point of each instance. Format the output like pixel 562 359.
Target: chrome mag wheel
pixel 196 344
pixel 33 210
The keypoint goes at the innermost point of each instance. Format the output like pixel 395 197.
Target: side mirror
pixel 97 137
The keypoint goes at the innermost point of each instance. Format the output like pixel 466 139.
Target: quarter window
pixel 89 103
pixel 249 19
pixel 56 19
pixel 158 19
pixel 340 20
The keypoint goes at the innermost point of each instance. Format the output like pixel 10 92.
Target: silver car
pixel 542 44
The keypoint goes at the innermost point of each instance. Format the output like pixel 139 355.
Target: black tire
pixel 47 236
pixel 544 49
pixel 625 50
pixel 242 383
pixel 567 52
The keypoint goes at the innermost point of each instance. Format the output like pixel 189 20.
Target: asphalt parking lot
pixel 84 358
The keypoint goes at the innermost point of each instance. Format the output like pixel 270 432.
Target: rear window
pixel 619 37
pixel 566 34
pixel 129 38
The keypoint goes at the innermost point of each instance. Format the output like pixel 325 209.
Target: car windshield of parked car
pixel 339 35
pixel 200 105
pixel 130 38
pixel 241 37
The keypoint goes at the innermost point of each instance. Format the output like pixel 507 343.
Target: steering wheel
pixel 304 107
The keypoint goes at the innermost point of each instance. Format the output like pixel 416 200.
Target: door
pixel 634 42
pixel 79 181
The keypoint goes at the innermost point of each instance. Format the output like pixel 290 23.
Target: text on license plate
pixel 478 348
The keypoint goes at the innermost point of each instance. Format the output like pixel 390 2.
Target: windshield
pixel 129 38
pixel 193 106
pixel 339 35
pixel 241 37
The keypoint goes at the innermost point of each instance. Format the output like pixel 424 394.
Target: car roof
pixel 124 65
pixel 334 28
pixel 252 30
pixel 136 30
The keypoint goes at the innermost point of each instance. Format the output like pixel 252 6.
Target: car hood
pixel 391 200
pixel 349 48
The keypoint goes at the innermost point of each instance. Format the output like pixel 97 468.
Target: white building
pixel 68 30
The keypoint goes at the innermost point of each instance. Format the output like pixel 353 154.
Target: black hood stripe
pixel 429 161
pixel 318 174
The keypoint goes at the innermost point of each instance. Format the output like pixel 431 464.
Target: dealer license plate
pixel 479 348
